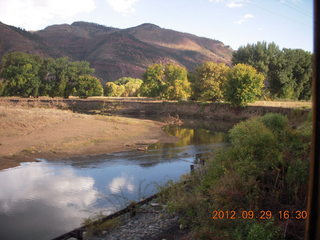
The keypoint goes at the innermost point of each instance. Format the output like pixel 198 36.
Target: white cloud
pixel 244 18
pixel 234 4
pixel 123 6
pixel 292 1
pixel 119 184
pixel 231 3
pixel 64 190
pixel 217 1
pixel 35 14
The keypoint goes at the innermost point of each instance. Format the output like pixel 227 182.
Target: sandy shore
pixel 30 133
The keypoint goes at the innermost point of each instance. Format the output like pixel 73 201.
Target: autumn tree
pixel 113 90
pixel 168 81
pixel 244 84
pixel 177 86
pixel 131 86
pixel 209 79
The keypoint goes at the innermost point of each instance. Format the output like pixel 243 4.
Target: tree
pixel 258 55
pixel 243 85
pixel 20 72
pixel 58 76
pixel 209 79
pixel 131 86
pixel 113 90
pixel 288 71
pixel 88 86
pixel 178 90
pixel 2 86
pixel 168 81
pixel 74 71
pixel 291 75
pixel 177 86
pixel 153 81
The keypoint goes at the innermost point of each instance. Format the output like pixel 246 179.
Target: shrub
pixel 275 122
pixel 255 147
pixel 255 172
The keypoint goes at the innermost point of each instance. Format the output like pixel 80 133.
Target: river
pixel 42 200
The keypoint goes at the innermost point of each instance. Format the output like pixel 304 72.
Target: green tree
pixel 209 80
pixel 244 84
pixel 290 75
pixel 258 55
pixel 153 81
pixel 20 72
pixel 114 90
pixel 2 86
pixel 88 86
pixel 46 76
pixel 74 71
pixel 57 76
pixel 288 71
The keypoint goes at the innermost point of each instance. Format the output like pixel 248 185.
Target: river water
pixel 42 200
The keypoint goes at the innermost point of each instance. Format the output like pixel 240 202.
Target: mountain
pixel 17 39
pixel 115 52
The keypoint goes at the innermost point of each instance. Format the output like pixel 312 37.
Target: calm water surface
pixel 42 200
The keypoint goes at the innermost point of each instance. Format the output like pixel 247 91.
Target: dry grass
pixel 284 104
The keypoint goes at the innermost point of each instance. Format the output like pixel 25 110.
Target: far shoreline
pixel 30 133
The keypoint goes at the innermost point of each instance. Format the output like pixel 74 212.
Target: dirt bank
pixel 148 107
pixel 28 133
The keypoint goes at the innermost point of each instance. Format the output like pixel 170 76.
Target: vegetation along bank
pixel 259 72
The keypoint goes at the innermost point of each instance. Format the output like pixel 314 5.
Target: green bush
pixel 264 167
pixel 255 148
pixel 276 122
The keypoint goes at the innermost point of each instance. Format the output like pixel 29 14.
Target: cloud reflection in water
pixel 50 198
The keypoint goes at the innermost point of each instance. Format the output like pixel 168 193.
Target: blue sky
pixel 288 23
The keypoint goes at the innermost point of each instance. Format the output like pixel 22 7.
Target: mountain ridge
pixel 115 52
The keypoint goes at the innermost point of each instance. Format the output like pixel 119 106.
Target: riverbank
pixel 30 133
pixel 148 107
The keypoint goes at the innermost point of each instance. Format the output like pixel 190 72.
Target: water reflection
pixel 45 199
pixel 120 184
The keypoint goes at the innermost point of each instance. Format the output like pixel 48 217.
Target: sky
pixel 236 23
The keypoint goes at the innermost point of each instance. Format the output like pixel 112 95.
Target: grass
pixel 283 103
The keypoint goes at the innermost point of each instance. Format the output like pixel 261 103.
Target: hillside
pixel 115 52
pixel 16 39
